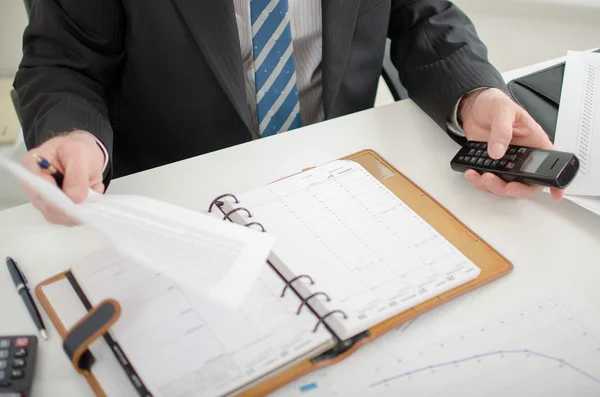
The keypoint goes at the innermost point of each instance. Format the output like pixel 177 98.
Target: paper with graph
pixel 578 126
pixel 539 343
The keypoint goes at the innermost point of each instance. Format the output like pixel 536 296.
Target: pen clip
pixel 21 272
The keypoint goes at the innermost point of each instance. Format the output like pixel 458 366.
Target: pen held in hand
pixel 54 172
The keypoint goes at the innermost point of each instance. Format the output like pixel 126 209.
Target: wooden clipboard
pixel 492 264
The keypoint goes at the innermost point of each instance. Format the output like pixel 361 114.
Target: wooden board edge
pixel 62 331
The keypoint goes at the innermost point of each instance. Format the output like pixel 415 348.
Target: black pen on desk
pixel 23 289
pixel 46 165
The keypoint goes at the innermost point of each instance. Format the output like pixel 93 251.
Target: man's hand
pixel 489 115
pixel 79 157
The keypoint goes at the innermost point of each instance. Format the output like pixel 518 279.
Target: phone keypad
pixel 475 153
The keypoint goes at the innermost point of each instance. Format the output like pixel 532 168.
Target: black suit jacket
pixel 158 81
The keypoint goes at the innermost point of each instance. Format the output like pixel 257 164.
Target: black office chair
pixel 390 76
pixel 27 6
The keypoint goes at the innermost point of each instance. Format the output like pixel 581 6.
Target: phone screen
pixel 533 161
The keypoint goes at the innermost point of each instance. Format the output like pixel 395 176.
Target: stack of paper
pixel 578 127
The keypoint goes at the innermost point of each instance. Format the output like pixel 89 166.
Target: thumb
pixel 77 175
pixel 501 130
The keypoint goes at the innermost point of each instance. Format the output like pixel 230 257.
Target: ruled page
pixel 371 254
pixel 183 344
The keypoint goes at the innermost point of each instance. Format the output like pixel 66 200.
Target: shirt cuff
pixel 105 154
pixel 453 125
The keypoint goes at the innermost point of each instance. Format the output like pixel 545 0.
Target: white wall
pixel 522 32
pixel 13 20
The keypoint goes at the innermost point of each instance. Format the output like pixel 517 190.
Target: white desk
pixel 541 237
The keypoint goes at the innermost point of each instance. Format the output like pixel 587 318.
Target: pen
pixel 46 165
pixel 23 289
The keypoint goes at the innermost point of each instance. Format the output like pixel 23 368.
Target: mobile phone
pixel 533 166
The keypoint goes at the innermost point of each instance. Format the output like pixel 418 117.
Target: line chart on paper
pixel 542 349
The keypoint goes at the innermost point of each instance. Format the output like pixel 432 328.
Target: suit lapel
pixel 213 25
pixel 339 19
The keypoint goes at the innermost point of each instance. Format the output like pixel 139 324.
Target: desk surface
pixel 543 238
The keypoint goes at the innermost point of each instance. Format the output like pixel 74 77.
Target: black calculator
pixel 17 364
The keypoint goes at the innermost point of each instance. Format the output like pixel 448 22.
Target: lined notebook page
pixel 182 344
pixel 371 254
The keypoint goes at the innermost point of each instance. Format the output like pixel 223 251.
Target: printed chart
pixel 542 349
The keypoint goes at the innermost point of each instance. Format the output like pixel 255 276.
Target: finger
pixel 474 179
pixel 32 192
pixel 533 134
pixel 512 189
pixel 557 194
pixel 494 184
pixel 521 190
pixel 77 179
pixel 51 213
pixel 501 129
pixel 98 188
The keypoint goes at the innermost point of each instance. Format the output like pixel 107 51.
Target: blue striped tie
pixel 278 106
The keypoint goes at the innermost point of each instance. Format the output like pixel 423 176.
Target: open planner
pixel 359 250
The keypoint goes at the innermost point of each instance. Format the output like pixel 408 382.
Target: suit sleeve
pixel 72 53
pixel 438 54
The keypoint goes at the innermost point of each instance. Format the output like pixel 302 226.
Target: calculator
pixel 17 364
pixel 528 165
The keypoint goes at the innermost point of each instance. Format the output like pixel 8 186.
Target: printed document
pixel 209 256
pixel 578 126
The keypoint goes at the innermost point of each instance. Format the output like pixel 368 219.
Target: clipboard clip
pixel 95 324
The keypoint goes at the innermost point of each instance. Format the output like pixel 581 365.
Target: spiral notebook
pixel 360 250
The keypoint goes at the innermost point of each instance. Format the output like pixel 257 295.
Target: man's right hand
pixel 80 158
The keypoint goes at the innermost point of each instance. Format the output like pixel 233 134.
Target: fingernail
pixel 513 192
pixel 497 149
pixel 470 177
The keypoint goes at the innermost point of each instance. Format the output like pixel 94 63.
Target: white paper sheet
pixel 182 344
pixel 211 257
pixel 371 254
pixel 537 342
pixel 578 126
pixel 589 203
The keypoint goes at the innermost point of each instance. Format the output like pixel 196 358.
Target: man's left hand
pixel 489 115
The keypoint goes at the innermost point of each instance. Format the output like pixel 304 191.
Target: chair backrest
pixel 27 6
pixel 390 76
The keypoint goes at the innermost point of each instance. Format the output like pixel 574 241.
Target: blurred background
pixel 517 33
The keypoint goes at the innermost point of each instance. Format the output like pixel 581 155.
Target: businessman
pixel 112 87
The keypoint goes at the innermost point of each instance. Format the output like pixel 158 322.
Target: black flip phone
pixel 532 166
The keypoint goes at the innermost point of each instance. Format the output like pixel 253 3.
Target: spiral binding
pixel 256 223
pixel 322 319
pixel 233 211
pixel 218 202
pixel 289 283
pixel 304 301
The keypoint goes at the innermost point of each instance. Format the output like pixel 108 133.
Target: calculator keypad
pixel 475 153
pixel 17 364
